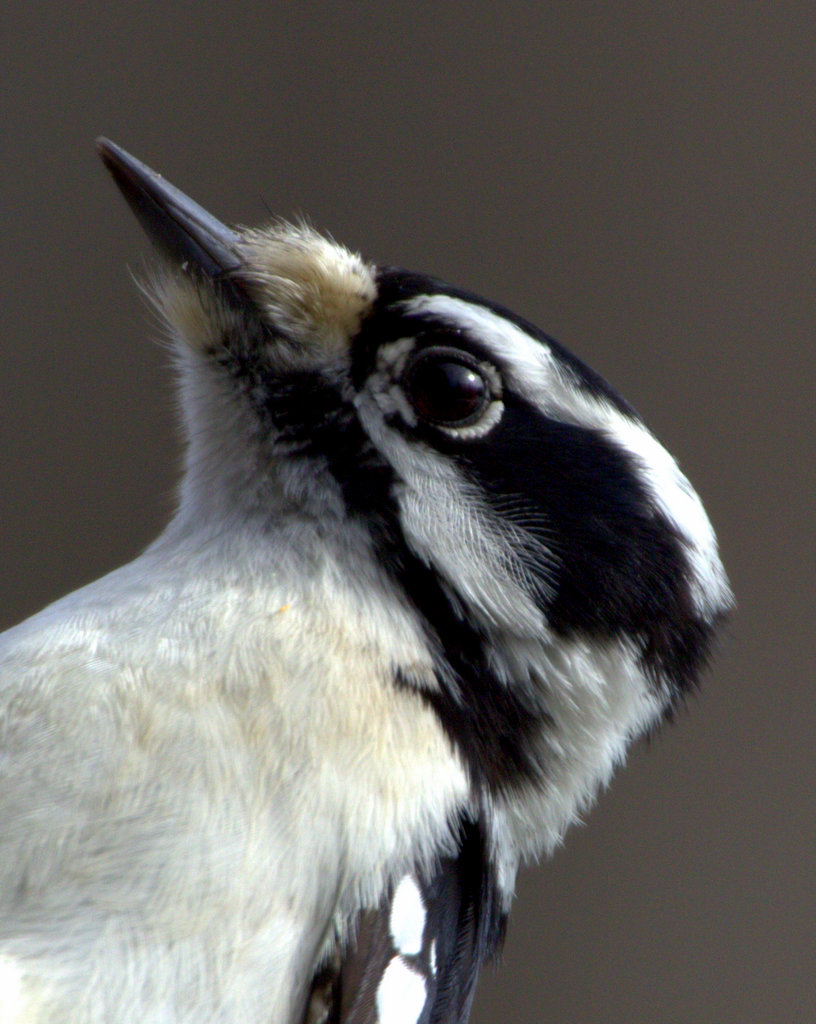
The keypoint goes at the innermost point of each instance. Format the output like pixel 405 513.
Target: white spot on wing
pixel 432 957
pixel 407 921
pixel 401 994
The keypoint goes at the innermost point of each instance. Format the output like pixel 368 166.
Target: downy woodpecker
pixel 428 576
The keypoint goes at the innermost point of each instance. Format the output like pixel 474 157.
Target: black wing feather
pixel 464 926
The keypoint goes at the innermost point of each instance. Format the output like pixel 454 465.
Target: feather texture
pixel 428 578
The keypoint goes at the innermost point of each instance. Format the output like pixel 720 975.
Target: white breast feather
pixel 195 812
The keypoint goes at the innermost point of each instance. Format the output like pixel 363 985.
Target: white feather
pixel 401 994
pixel 206 769
pixel 407 917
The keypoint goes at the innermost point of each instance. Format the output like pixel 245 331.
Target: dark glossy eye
pixel 446 387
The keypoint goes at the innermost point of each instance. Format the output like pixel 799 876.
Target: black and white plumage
pixel 429 575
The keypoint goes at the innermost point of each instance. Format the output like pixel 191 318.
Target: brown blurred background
pixel 639 179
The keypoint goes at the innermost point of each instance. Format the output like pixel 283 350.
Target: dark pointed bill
pixel 174 223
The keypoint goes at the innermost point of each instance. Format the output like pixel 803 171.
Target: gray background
pixel 636 178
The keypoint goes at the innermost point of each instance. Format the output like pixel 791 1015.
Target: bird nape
pixel 427 578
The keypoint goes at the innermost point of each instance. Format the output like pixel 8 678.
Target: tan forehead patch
pixel 311 288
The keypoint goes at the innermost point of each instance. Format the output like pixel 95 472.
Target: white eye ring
pixel 484 414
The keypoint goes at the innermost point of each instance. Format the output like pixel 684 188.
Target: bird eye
pixel 446 387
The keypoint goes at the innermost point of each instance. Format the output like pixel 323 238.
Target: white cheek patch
pixel 496 568
pixel 401 994
pixel 407 919
pixel 535 373
pixel 447 527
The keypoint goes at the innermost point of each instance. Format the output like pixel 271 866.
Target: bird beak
pixel 175 224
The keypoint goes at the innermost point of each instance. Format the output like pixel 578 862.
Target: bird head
pixel 564 572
